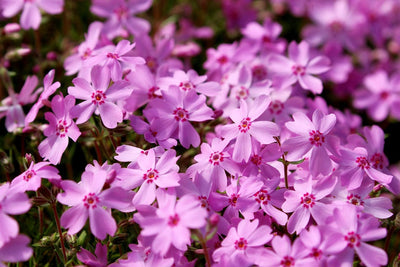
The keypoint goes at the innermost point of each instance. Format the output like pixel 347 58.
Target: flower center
pixel 222 60
pixel 241 244
pixel 113 55
pixel 173 220
pixel 62 128
pixel 287 261
pixel 384 95
pixel 181 114
pixel 90 200
pixel 98 97
pixel 275 107
pixel 262 197
pixel 336 26
pixel 187 86
pixel 86 54
pixel 377 161
pixel 298 70
pixel 316 138
pixel 152 92
pixel 355 200
pixel 241 92
pixel 352 239
pixel 121 12
pixel 259 73
pixel 151 63
pixel 28 175
pixel 307 200
pixel 363 163
pixel 256 159
pixel 204 202
pixel 233 200
pixel 244 125
pixel 150 175
pixel 216 158
pixel 316 253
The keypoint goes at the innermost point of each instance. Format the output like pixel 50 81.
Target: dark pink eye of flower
pixel 204 202
pixel 152 92
pixel 222 60
pixel 98 97
pixel 216 158
pixel 266 39
pixel 298 70
pixel 316 253
pixel 121 12
pixel 287 261
pixel 307 200
pixel 242 93
pixel 62 128
pixel 259 73
pixel 256 159
pixel 150 175
pixel 233 200
pixel 187 86
pixel 181 114
pixel 336 26
pixel 352 239
pixel 173 220
pixel 377 161
pixel 276 107
pixel 363 163
pixel 86 54
pixel 29 174
pixel 112 55
pixel 316 138
pixel 241 244
pixel 262 196
pixel 384 95
pixel 355 200
pixel 90 200
pixel 151 62
pixel 244 125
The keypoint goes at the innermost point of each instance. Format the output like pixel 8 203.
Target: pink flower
pixel 246 127
pixel 248 238
pixel 30 180
pixel 60 128
pixel 312 135
pixel 97 260
pixel 300 66
pixel 31 16
pixel 16 250
pixel 48 89
pixel 11 202
pixel 98 97
pixel 175 218
pixel 87 199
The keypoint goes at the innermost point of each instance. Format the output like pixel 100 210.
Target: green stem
pixel 53 205
pixel 204 246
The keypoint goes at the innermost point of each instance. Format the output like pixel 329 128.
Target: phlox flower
pixel 311 135
pixel 15 250
pixel 12 202
pixel 247 239
pixel 61 127
pixel 87 199
pixel 12 105
pixel 98 97
pixel 246 127
pixel 300 66
pixel 97 260
pixel 48 89
pixel 380 95
pixel 177 108
pixel 30 180
pixel 175 218
pixel 31 16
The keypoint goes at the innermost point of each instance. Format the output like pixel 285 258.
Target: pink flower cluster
pixel 283 179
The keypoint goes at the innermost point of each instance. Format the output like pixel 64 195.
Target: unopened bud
pixel 51 55
pixel 11 28
pixel 214 219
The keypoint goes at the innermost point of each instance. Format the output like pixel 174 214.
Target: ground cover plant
pixel 199 133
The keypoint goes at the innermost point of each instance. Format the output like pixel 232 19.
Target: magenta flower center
pixel 287 261
pixel 216 158
pixel 121 12
pixel 173 220
pixel 181 114
pixel 62 128
pixel 152 92
pixel 308 200
pixel 377 161
pixel 256 159
pixel 244 125
pixel 28 175
pixel 352 239
pixel 242 93
pixel 336 26
pixel 262 196
pixel 316 253
pixel 86 54
pixel 113 55
pixel 355 200
pixel 187 86
pixel 363 163
pixel 298 70
pixel 316 138
pixel 384 95
pixel 241 244
pixel 222 60
pixel 90 200
pixel 151 62
pixel 259 73
pixel 233 199
pixel 266 39
pixel 150 175
pixel 204 202
pixel 98 97
pixel 276 107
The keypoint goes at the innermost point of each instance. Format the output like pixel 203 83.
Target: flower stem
pixel 53 205
pixel 204 246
